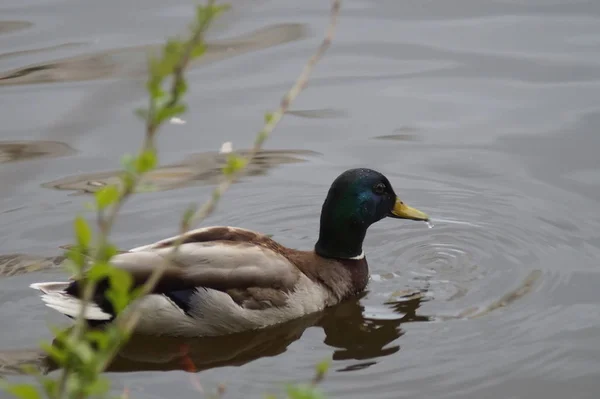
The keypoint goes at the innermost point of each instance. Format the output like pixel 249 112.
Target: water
pixel 485 115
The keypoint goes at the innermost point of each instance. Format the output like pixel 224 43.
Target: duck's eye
pixel 379 188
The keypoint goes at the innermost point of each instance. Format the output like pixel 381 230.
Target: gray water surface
pixel 484 114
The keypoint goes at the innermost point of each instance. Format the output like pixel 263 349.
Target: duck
pixel 225 279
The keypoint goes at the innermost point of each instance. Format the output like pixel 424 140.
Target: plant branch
pixel 127 323
pixel 132 180
pixel 273 119
pixel 197 37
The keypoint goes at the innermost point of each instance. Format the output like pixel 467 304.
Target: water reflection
pixel 12 151
pixel 359 336
pixel 351 334
pixel 11 26
pixel 15 264
pixel 130 61
pixel 204 167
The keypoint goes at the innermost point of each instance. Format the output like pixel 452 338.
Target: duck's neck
pixel 341 240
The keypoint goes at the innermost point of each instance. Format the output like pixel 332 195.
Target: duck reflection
pixel 357 336
pixel 352 334
pixel 151 353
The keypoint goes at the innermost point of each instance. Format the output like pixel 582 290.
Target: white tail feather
pixel 56 298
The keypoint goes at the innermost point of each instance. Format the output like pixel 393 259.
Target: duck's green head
pixel 357 199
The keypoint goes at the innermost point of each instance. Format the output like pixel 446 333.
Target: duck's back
pixel 223 280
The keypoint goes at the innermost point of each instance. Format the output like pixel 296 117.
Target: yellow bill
pixel 403 211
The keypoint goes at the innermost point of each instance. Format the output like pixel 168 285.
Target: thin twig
pixel 127 321
pixel 301 82
pixel 106 223
pixel 198 37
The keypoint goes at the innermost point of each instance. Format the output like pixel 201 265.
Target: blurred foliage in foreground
pixel 83 353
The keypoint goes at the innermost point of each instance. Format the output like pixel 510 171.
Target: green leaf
pixel 98 338
pixel 106 252
pixel 83 233
pixel 172 54
pixel 234 164
pixel 120 284
pixel 120 280
pixel 106 196
pixel 55 353
pixel 99 387
pixel 82 350
pixel 210 12
pixel 60 334
pixel 115 334
pixel 99 272
pixel 22 391
pixel 73 248
pixel 50 387
pixel 118 301
pixel 75 384
pixel 128 180
pixel 322 367
pixel 157 72
pixel 303 392
pixel 145 161
pixel 268 117
pixel 76 261
pixel 168 112
pixel 199 50
pixel 118 293
pixel 181 88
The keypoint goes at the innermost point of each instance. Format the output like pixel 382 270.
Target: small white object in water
pixel 95 183
pixel 429 224
pixel 177 121
pixel 226 148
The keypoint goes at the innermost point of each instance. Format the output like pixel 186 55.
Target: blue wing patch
pixel 182 298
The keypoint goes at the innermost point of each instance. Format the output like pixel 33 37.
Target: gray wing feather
pixel 218 265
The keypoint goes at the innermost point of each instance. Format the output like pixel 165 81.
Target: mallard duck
pixel 229 279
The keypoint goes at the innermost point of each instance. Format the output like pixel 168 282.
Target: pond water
pixel 483 114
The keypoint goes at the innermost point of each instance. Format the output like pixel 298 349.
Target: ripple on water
pixel 484 272
pixel 487 271
pixel 478 235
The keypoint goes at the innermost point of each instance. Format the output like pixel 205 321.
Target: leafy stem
pixel 83 353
